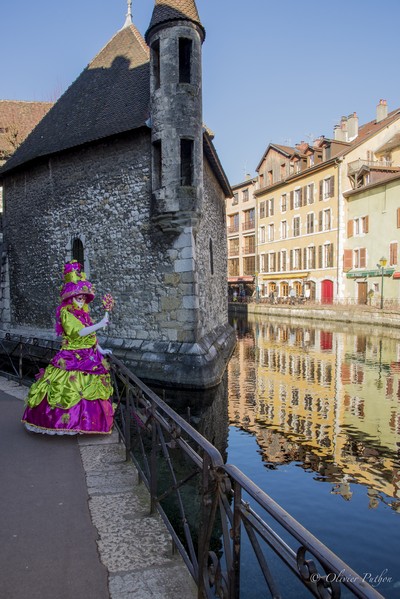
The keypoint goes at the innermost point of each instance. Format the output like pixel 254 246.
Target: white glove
pixel 104 352
pixel 95 327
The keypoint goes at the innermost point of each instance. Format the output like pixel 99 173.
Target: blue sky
pixel 273 71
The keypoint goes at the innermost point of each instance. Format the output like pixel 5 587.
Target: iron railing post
pixel 128 425
pixel 153 462
pixel 234 575
pixel 20 361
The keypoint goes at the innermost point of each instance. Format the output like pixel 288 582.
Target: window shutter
pixel 347 260
pixel 320 256
pixel 366 230
pixel 267 209
pixel 350 228
pixel 291 200
pixel 320 220
pixel 300 196
pixel 363 257
pixel 279 262
pixel 393 253
pixel 291 259
pixel 321 190
pixel 271 213
pixel 331 255
pixel 305 195
pixel 331 187
pixel 305 258
pixel 312 193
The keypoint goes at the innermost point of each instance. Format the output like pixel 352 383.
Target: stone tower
pixel 175 38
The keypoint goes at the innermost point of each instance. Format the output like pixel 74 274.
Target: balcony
pixel 248 224
pixel 359 171
pixel 233 251
pixel 248 249
pixel 357 165
pixel 233 229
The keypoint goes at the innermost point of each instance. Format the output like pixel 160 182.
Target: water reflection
pixel 326 396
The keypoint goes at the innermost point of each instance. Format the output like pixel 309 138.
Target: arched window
pixel 78 251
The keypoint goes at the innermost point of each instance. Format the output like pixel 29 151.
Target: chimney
pixel 340 131
pixel 381 111
pixel 352 126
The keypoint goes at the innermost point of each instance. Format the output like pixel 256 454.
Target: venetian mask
pixel 79 301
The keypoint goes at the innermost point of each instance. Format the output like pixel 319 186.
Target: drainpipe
pixel 340 216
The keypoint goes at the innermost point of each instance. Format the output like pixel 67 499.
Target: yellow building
pixel 298 220
pixel 302 209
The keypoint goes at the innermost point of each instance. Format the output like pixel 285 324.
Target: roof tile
pixel 110 96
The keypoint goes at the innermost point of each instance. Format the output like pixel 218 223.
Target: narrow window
pixel 157 164
pixel 78 252
pixel 155 50
pixel 186 162
pixel 211 257
pixel 185 59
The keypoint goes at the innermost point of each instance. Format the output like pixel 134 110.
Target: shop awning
pixel 283 276
pixel 246 279
pixel 362 274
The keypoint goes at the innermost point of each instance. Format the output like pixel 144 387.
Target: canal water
pixel 314 420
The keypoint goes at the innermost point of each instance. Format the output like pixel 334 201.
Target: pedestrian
pixel 73 394
pixel 292 295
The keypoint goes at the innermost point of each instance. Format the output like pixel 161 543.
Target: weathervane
pixel 128 20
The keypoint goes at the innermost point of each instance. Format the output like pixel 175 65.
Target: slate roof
pixel 174 10
pixel 110 96
pixel 17 119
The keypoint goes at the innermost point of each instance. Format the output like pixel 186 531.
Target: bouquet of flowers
pixel 108 302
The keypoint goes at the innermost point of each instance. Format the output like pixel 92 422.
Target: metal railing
pixel 209 506
pixel 214 513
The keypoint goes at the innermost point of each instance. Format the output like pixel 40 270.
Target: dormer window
pixel 185 60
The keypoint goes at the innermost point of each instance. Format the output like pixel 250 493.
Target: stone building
pixel 122 175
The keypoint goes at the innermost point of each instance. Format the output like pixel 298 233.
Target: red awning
pixel 240 279
pixel 396 275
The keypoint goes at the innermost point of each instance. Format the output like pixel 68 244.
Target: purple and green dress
pixel 73 395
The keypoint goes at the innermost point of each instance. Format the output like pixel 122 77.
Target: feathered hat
pixel 75 282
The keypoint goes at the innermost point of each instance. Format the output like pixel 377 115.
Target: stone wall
pixel 170 320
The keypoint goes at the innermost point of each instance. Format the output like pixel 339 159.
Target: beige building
pixel 371 212
pixel 371 253
pixel 241 234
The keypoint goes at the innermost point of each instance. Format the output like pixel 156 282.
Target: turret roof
pixel 173 10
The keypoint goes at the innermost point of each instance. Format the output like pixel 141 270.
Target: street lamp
pixel 382 264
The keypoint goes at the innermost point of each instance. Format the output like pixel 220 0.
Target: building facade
pixel 242 239
pixel 305 203
pixel 114 177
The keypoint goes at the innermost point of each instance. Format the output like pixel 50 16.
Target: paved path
pixel 74 523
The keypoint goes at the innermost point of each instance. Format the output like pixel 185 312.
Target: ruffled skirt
pixel 73 400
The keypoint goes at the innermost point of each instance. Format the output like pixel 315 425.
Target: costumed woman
pixel 73 394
